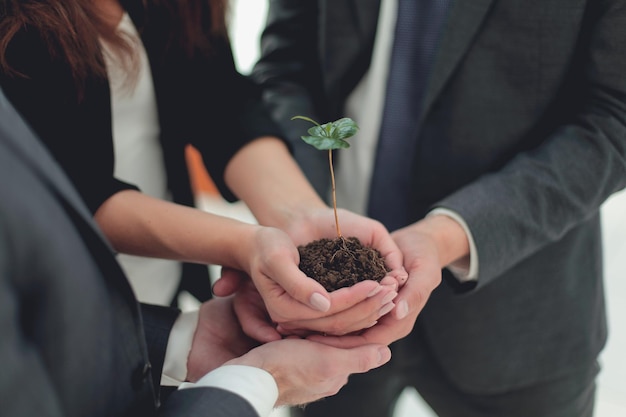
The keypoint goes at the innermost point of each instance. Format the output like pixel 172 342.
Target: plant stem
pixel 332 178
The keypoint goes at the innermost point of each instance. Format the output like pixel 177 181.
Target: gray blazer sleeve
pixel 542 194
pixel 25 386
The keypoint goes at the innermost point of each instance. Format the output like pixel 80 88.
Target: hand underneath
pixel 306 371
pixel 422 260
pixel 217 339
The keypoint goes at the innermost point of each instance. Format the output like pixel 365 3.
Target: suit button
pixel 140 375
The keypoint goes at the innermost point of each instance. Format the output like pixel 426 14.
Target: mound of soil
pixel 341 262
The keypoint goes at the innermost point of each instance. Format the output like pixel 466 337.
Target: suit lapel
pixel 360 17
pixel 347 29
pixel 461 27
pixel 366 16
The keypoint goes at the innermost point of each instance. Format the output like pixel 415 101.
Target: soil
pixel 341 262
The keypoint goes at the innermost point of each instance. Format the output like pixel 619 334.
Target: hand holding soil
pixel 293 303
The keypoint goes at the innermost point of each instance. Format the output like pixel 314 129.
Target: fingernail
pixel 270 336
pixel 372 324
pixel 375 291
pixel 386 309
pixel 389 297
pixel 402 310
pixel 384 354
pixel 319 302
pixel 404 275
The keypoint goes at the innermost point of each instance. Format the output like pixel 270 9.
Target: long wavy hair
pixel 72 29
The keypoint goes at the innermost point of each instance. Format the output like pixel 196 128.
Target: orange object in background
pixel 201 182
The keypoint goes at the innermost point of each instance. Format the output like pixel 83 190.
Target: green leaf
pixel 345 128
pixel 324 144
pixel 330 135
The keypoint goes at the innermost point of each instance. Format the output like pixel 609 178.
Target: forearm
pixel 267 178
pixel 138 224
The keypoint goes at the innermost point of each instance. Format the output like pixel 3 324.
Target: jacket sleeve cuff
pixel 178 348
pixel 255 385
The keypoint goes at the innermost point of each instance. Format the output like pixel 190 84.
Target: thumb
pixel 302 288
pixel 228 283
pixel 366 357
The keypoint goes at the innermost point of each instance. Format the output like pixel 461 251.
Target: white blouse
pixel 139 161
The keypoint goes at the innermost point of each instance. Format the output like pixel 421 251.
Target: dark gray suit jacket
pixel 73 337
pixel 523 134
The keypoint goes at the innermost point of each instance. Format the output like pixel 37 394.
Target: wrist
pixel 256 360
pixel 245 245
pixel 254 384
pixel 448 237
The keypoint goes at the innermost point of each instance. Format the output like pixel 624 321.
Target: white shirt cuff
pixel 255 385
pixel 465 269
pixel 178 347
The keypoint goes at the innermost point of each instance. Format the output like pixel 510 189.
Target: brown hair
pixel 71 29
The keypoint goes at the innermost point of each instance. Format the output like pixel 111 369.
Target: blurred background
pixel 247 19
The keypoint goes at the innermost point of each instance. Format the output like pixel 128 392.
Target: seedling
pixel 330 136
pixel 340 262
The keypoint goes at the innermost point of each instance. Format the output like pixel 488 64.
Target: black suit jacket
pixel 523 133
pixel 73 340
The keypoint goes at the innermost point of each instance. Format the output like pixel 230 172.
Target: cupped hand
pixel 318 223
pixel 421 259
pixel 362 315
pixel 307 371
pixel 353 309
pixel 271 259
